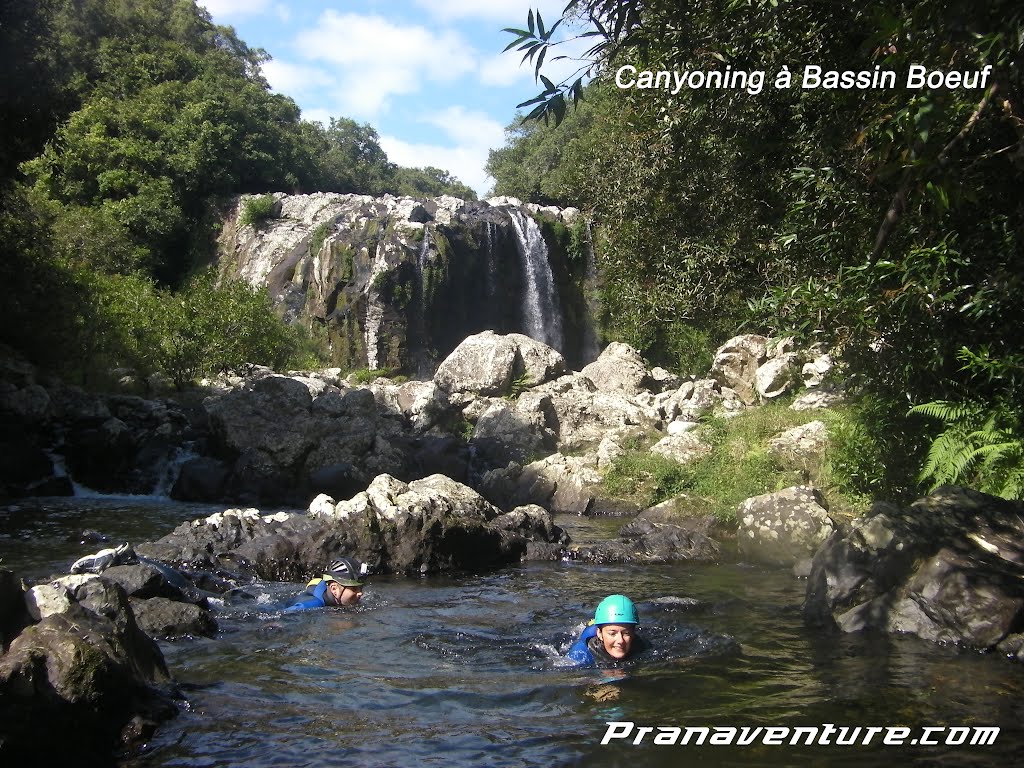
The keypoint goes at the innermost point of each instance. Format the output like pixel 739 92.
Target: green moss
pixel 316 240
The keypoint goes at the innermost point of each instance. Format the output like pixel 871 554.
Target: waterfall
pixel 492 263
pixel 542 314
pixel 374 310
pixel 419 330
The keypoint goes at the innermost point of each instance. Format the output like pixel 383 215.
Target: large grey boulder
pixel 736 362
pixel 519 431
pixel 783 528
pixel 488 364
pixel 948 568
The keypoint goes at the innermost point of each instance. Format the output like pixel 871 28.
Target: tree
pixel 427 182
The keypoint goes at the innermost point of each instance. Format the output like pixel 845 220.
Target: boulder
pixel 619 368
pixel 817 398
pixel 88 667
pixel 777 376
pixel 520 431
pixel 783 528
pixel 948 568
pixel 488 364
pixel 801 448
pixel 684 447
pixel 562 484
pixel 161 617
pixel 736 362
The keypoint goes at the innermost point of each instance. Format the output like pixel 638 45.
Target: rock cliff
pixel 397 283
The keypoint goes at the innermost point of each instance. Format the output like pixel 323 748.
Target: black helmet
pixel 347 571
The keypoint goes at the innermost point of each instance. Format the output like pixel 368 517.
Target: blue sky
pixel 428 75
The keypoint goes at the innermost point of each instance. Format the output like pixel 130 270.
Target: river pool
pixel 466 671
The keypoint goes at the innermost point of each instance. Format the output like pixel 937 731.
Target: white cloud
pixel 235 8
pixel 467 127
pixel 379 59
pixel 511 13
pixel 475 135
pixel 295 80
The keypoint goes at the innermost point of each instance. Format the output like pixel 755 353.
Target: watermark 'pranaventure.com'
pixel 826 734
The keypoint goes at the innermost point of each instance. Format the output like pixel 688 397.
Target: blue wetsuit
pixel 579 652
pixel 315 596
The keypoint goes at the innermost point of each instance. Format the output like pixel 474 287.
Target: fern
pixel 979 446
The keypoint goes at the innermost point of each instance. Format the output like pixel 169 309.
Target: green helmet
pixel 616 609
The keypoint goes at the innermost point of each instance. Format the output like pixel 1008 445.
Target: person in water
pixel 612 637
pixel 342 584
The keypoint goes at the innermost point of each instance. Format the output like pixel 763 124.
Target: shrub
pixel 256 210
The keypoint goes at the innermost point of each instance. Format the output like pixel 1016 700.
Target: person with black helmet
pixel 611 637
pixel 341 584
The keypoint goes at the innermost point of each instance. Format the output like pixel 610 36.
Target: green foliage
pixel 351 159
pixel 256 210
pixel 981 445
pixel 369 375
pixel 885 222
pixel 427 182
pixel 320 234
pixel 740 465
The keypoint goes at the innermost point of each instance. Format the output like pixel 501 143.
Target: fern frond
pixel 947 411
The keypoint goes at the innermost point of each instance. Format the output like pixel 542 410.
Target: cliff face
pixel 398 283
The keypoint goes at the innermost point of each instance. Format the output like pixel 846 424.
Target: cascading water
pixel 492 263
pixel 423 365
pixel 374 310
pixel 542 314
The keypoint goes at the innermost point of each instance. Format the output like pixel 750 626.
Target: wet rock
pixel 14 615
pixel 432 524
pixel 948 568
pixel 528 528
pixel 161 617
pixel 200 479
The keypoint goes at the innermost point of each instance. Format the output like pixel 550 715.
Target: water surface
pixel 466 671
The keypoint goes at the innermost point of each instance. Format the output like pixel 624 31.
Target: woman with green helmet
pixel 612 635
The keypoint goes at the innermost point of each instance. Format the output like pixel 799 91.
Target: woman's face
pixel 617 639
